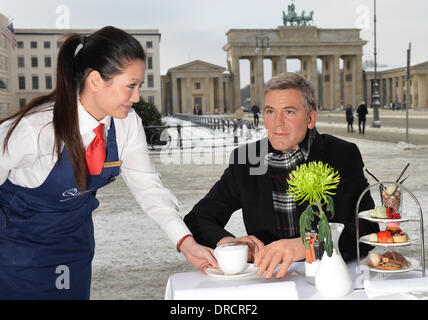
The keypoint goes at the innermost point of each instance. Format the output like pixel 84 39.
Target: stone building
pixel 319 50
pixel 392 85
pixel 196 83
pixel 30 69
pixel 6 83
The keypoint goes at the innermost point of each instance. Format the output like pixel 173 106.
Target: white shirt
pixel 31 156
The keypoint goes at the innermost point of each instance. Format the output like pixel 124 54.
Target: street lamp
pixel 375 93
pixel 262 43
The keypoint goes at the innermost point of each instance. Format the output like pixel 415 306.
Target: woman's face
pixel 116 96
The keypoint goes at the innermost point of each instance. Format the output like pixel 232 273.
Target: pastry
pixel 399 237
pixel 388 266
pixel 379 212
pixel 384 237
pixel 396 258
pixel 373 259
pixel 373 237
pixel 390 260
pixel 393 228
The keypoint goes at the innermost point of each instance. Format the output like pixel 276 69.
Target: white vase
pixel 332 278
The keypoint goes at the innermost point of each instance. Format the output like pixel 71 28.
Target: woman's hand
pixel 284 251
pixel 199 256
pixel 254 244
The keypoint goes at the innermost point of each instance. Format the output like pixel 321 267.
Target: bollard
pixel 180 141
pixel 235 132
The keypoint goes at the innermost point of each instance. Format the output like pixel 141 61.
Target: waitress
pixel 58 151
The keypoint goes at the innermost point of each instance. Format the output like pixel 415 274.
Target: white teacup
pixel 232 257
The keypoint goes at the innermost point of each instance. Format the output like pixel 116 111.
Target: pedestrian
pixel 239 114
pixel 256 110
pixel 350 118
pixel 361 112
pixel 58 151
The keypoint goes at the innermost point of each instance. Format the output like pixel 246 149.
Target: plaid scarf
pixel 279 166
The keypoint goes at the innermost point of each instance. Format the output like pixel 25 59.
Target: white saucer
pixel 248 272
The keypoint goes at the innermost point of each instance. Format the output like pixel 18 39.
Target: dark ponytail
pixel 65 115
pixel 107 51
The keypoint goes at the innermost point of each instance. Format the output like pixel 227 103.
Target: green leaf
pixel 330 206
pixel 324 235
pixel 305 223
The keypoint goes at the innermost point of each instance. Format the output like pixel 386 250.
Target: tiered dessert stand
pixel 404 218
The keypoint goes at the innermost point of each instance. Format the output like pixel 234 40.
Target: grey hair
pixel 291 80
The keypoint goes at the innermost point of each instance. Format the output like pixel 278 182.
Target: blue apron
pixel 47 235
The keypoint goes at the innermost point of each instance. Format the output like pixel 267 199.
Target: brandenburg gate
pixel 309 44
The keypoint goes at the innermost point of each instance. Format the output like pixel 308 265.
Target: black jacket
pixel 237 189
pixel 362 111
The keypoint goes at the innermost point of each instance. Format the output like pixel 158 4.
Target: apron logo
pixel 72 193
pixel 63 280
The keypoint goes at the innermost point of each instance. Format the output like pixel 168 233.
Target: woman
pixel 58 151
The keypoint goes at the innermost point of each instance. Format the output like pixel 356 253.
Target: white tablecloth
pixel 197 286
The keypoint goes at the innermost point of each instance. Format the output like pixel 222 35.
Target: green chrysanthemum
pixel 312 181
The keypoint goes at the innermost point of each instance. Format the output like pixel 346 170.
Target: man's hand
pixel 199 256
pixel 254 244
pixel 283 251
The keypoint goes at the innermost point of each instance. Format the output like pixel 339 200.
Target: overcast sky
pixel 196 29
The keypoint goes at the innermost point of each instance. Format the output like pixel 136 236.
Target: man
pixel 255 181
pixel 255 110
pixel 362 111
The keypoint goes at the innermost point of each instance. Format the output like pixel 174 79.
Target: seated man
pixel 255 181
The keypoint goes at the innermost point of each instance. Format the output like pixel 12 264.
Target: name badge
pixel 112 164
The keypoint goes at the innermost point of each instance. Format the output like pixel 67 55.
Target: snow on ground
pixel 133 257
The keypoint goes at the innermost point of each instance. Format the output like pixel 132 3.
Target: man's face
pixel 286 118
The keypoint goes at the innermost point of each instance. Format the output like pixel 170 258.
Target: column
pixel 279 64
pixel 313 74
pixel 252 81
pixel 335 82
pixel 400 91
pixel 174 94
pixel 387 91
pixel 395 89
pixel 358 80
pixel 304 66
pixel 422 91
pixel 259 81
pixel 189 102
pixel 236 83
pixel 220 94
pixel 283 64
pixel 347 80
pixel 206 106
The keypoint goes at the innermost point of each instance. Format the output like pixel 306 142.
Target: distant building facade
pixel 312 46
pixel 30 69
pixel 6 83
pixel 197 83
pixel 392 86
